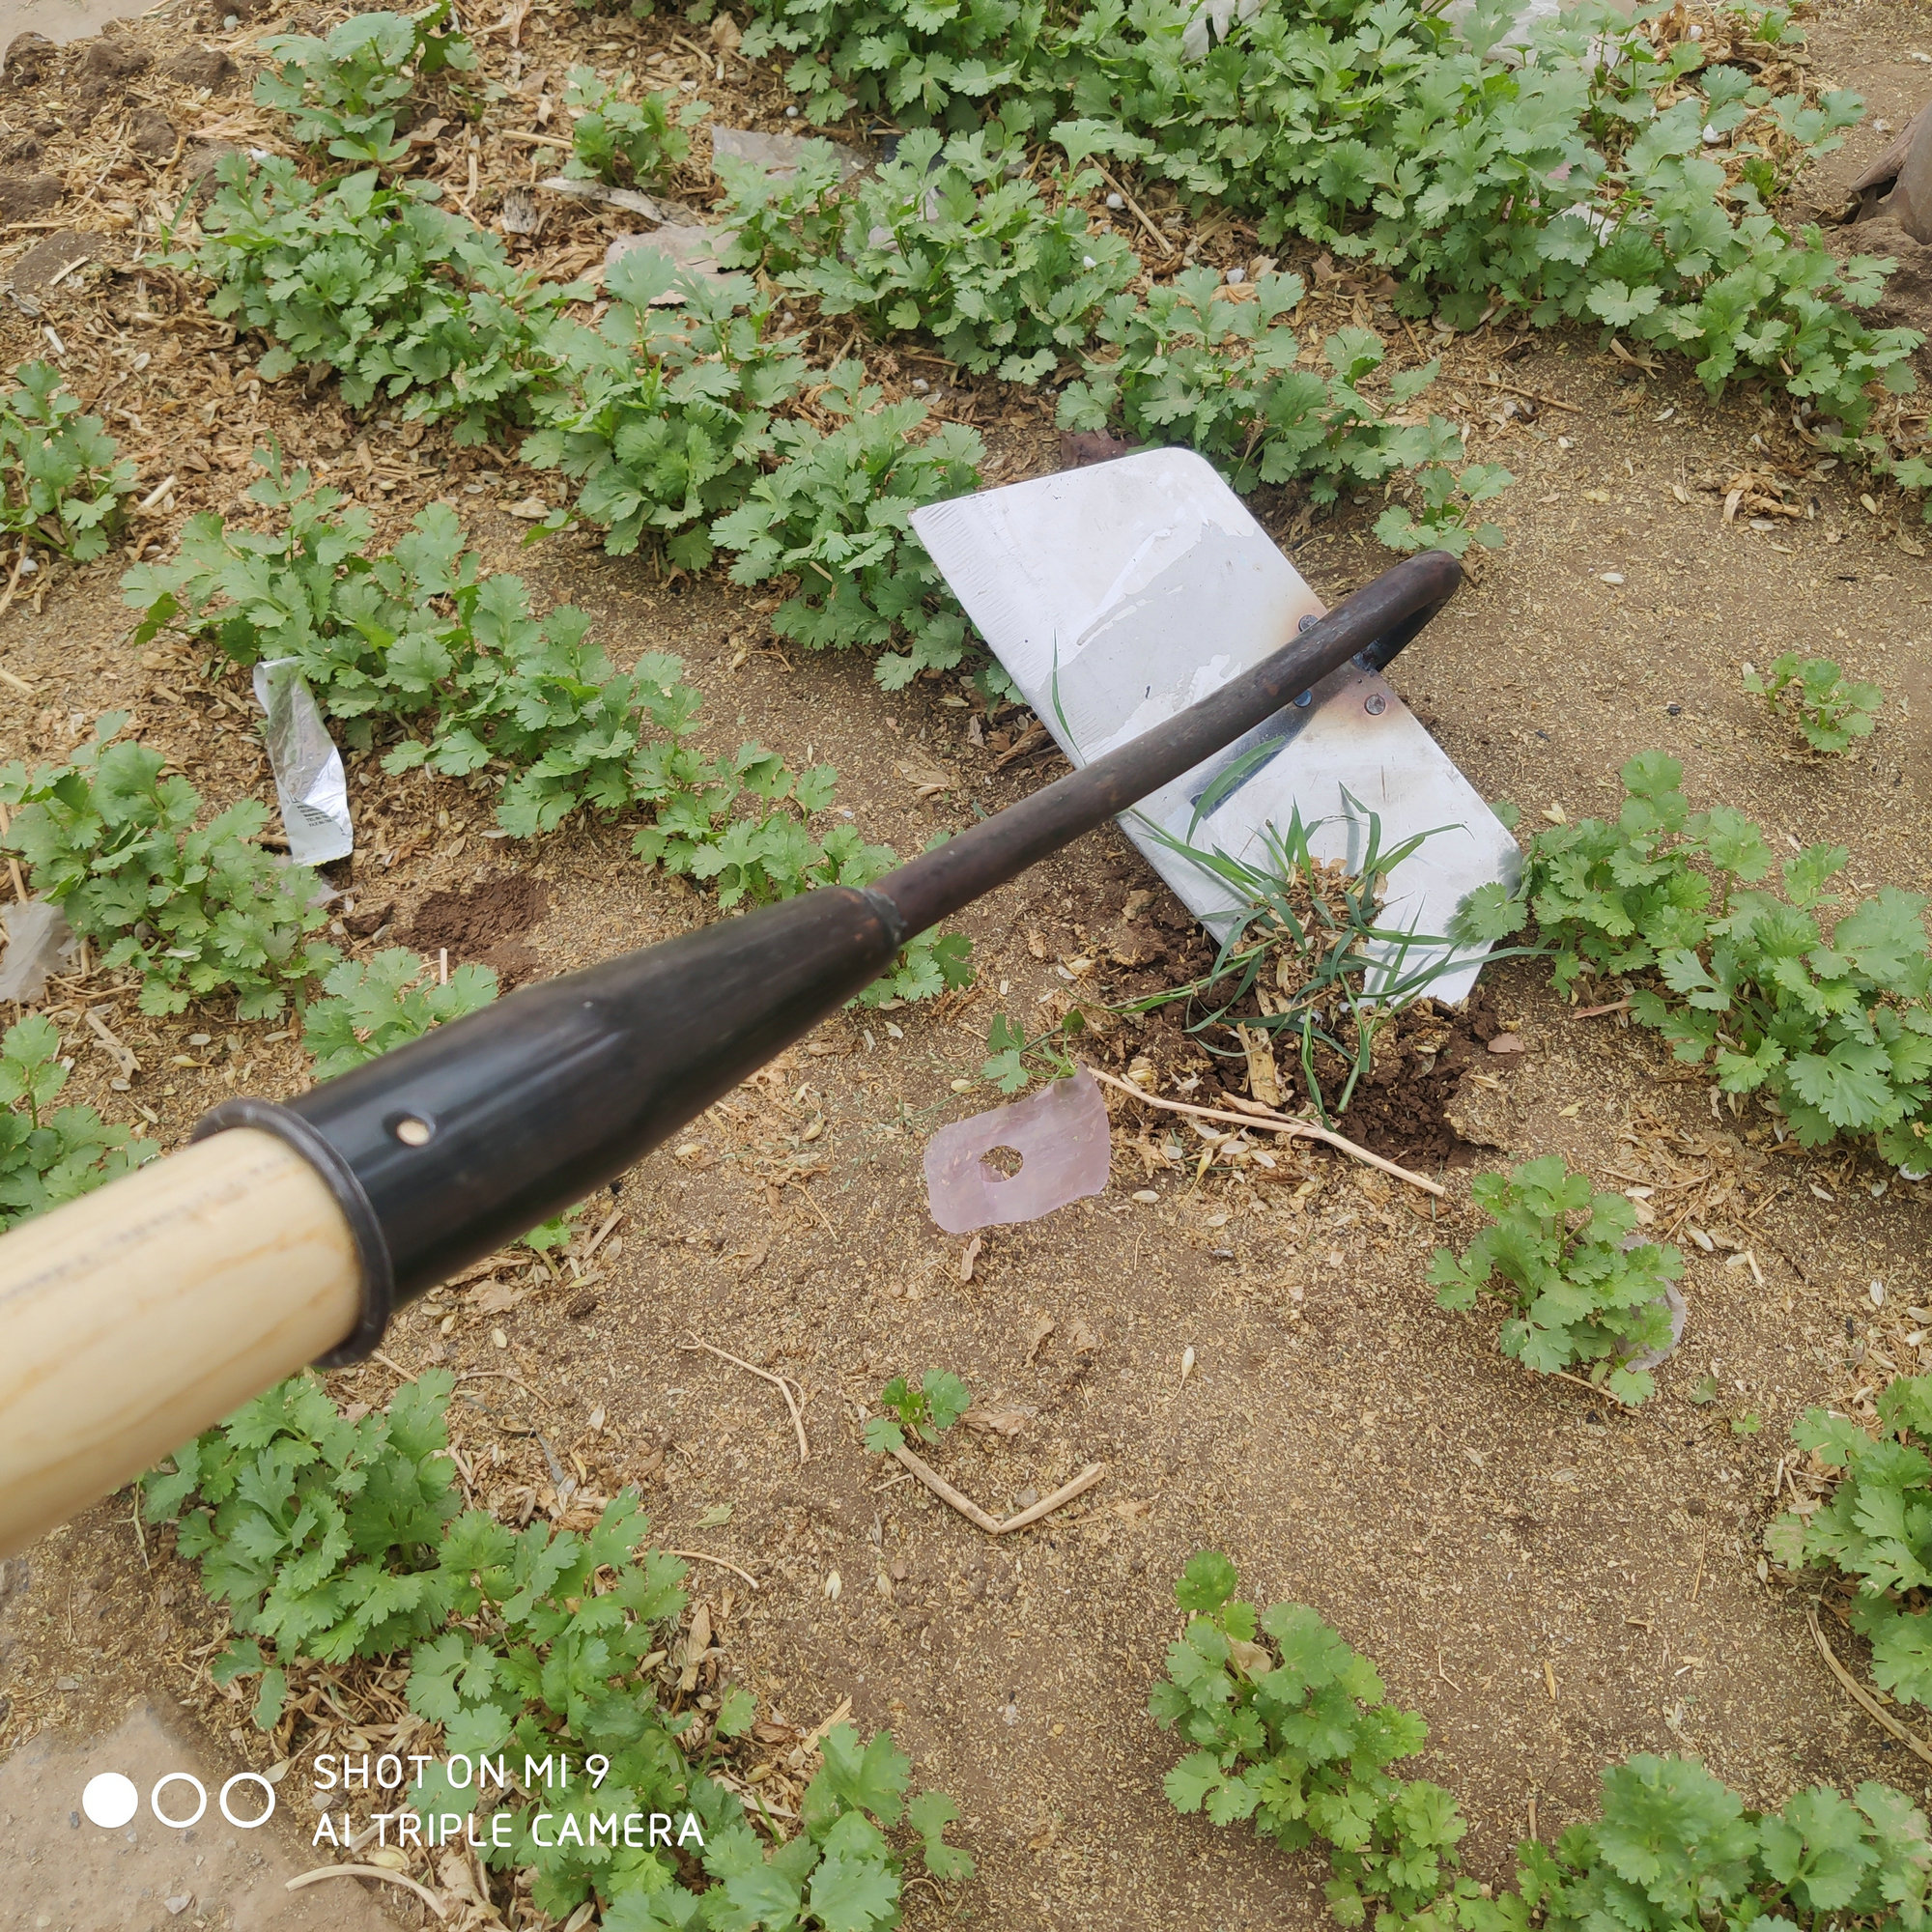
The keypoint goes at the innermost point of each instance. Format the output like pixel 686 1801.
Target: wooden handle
pixel 133 1319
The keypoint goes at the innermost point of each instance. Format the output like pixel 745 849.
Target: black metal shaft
pixel 443 1150
pixel 1380 618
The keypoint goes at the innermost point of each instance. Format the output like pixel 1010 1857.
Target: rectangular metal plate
pixel 1118 595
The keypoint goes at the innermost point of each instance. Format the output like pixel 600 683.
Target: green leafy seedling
pixel 63 480
pixel 1834 1033
pixel 1876 1528
pixel 47 1154
pixel 191 904
pixel 1830 710
pixel 349 90
pixel 620 141
pixel 330 1539
pixel 375 1004
pixel 411 305
pixel 833 517
pixel 1221 370
pixel 1290 1729
pixel 459 674
pixel 924 1409
pixel 1578 1297
pixel 1012 1058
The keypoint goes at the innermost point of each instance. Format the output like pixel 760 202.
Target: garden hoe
pixel 285 1234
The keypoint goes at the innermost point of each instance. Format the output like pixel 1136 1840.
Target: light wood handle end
pixel 138 1315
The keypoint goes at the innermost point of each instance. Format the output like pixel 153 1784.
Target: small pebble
pixel 1674 710
pixel 791 113
pixel 1117 201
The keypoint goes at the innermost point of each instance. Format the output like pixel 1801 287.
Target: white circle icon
pixel 200 1795
pixel 110 1800
pixel 268 1791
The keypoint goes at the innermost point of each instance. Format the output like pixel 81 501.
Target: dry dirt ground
pixel 1552 1582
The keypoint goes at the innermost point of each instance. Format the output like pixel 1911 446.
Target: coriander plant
pixel 1606 178
pixel 418 638
pixel 1615 172
pixel 62 477
pixel 195 909
pixel 1828 709
pixel 947 238
pixel 664 415
pixel 1300 1746
pixel 912 61
pixel 322 1536
pixel 1876 1530
pixel 1200 363
pixel 835 516
pixel 47 1154
pixel 406 303
pixel 1294 1734
pixel 1672 1846
pixel 1579 1298
pixel 616 140
pixel 463 678
pixel 349 89
pixel 924 1409
pixel 1832 1030
pixel 1013 1056
pixel 331 1540
pixel 383 1001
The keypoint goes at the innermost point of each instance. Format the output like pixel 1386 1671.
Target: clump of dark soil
pixel 23 197
pixel 1418 1056
pixel 483 924
pixel 29 58
pixel 153 134
pixel 1399 1110
pixel 53 257
pixel 202 66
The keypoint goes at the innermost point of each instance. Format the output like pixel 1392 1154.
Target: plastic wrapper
pixel 1062 1137
pixel 39 940
pixel 309 780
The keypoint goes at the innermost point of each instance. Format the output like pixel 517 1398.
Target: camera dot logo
pixel 110 1800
